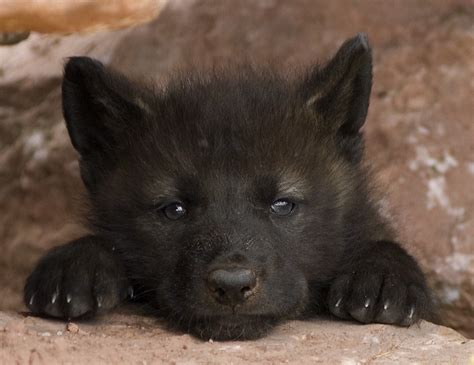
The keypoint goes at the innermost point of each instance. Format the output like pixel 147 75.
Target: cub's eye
pixel 282 207
pixel 174 211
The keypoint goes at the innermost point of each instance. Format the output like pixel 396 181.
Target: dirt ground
pixel 420 128
pixel 131 339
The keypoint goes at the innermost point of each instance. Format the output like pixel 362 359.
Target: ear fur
pixel 340 91
pixel 100 106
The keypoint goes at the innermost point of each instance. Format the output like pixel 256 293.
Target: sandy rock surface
pixel 131 339
pixel 420 127
pixel 68 16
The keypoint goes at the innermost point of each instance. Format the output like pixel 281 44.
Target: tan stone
pixel 67 16
pixel 131 339
pixel 421 150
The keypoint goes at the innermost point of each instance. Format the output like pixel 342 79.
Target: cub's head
pixel 229 196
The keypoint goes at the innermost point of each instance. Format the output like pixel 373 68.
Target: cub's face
pixel 224 196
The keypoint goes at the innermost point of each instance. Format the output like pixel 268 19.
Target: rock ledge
pixel 132 339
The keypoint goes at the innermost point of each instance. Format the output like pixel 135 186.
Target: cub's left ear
pixel 99 106
pixel 339 92
pixel 102 109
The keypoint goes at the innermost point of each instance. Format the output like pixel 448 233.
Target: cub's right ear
pixel 99 105
pixel 339 94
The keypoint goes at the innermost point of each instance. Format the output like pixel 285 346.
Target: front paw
pixel 377 298
pixel 76 279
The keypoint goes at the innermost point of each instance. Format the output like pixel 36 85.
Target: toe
pixel 338 295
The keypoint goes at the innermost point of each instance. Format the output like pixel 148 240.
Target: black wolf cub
pixel 229 201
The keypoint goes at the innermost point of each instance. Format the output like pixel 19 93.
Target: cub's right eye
pixel 174 211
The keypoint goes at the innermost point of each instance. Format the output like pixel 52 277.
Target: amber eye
pixel 282 207
pixel 174 211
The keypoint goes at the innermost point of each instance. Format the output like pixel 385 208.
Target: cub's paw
pixel 77 279
pixel 382 298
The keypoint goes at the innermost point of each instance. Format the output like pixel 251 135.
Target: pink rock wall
pixel 420 130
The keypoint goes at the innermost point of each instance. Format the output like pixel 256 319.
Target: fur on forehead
pixel 241 100
pixel 232 113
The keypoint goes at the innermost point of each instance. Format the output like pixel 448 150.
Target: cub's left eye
pixel 174 211
pixel 282 207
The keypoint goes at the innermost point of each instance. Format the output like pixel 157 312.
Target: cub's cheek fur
pixel 229 202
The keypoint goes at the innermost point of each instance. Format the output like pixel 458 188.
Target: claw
pixel 412 312
pixel 338 303
pixel 54 297
pixel 32 299
pixel 386 305
pixel 130 292
pixel 367 303
pixel 99 302
pixel 68 298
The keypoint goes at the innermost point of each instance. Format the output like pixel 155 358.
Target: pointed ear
pixel 340 91
pixel 99 105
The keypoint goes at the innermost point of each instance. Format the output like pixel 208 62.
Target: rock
pixel 72 327
pixel 73 16
pixel 419 129
pixel 127 339
pixel 9 38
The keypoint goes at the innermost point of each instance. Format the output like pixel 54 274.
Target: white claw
pixel 385 306
pixel 54 297
pixel 412 312
pixel 367 303
pixel 130 292
pixel 338 303
pixel 32 299
pixel 99 302
pixel 68 298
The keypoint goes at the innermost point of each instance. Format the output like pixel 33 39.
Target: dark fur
pixel 227 145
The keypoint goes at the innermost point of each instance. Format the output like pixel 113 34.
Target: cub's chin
pixel 235 325
pixel 228 328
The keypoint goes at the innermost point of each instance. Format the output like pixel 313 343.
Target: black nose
pixel 232 286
